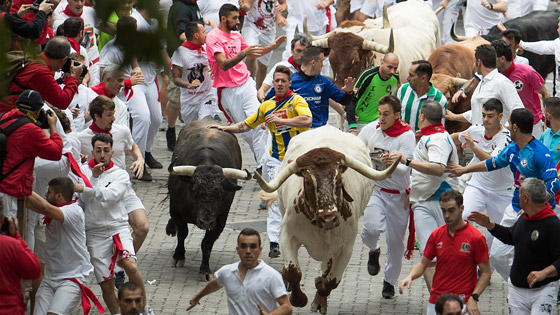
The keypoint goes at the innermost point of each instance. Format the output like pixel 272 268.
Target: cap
pixel 30 100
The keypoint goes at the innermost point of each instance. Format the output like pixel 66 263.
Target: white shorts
pixel 194 112
pixel 536 301
pixel 132 202
pixel 427 218
pixel 253 36
pixel 102 250
pixel 57 296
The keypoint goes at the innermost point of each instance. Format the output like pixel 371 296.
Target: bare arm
pixel 40 205
pixel 274 45
pixel 261 93
pixel 226 64
pixel 543 92
pixel 177 74
pixel 536 276
pixel 245 5
pixel 237 128
pixel 337 107
pixel 210 288
pixel 285 307
pixel 428 168
pixel 137 166
pixel 301 121
pixel 472 305
pixel 415 273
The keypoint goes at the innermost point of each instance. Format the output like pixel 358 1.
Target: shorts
pixel 173 94
pixel 102 250
pixel 255 36
pixel 132 202
pixel 57 296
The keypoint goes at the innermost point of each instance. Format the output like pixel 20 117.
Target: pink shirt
pixel 231 44
pixel 527 81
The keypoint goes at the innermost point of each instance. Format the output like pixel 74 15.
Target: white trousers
pixel 274 218
pixel 476 199
pixel 253 36
pixel 446 19
pixel 385 213
pixel 501 255
pixel 536 301
pixel 427 217
pixel 194 112
pixel 145 111
pixel 240 102
pixel 57 296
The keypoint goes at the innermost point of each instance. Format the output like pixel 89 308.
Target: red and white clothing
pixel 479 20
pixel 121 113
pixel 385 211
pixel 81 101
pixel 547 47
pixel 458 256
pixel 260 26
pixel 89 18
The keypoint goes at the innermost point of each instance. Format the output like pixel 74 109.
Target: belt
pixel 394 191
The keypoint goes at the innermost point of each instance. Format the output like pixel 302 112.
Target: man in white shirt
pixel 434 151
pixel 513 38
pixel 362 10
pixel 492 85
pixel 252 286
pixel 112 81
pixel 490 191
pixel 387 210
pixel 67 264
pixel 482 15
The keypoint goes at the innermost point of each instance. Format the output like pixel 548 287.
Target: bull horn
pixel 296 32
pixel 386 23
pixel 371 45
pixel 368 171
pixel 459 81
pixel 311 37
pixel 455 37
pixel 323 43
pixel 233 173
pixel 278 180
pixel 183 170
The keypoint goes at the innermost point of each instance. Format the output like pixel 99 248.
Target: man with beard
pixel 252 286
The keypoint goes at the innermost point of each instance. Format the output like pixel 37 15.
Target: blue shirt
pixel 534 160
pixel 316 91
pixel 552 142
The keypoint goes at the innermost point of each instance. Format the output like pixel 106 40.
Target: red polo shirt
pixel 457 259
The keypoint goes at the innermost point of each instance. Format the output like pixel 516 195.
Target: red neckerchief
pixel 431 129
pixel 509 70
pixel 397 129
pixel 70 13
pixel 47 220
pixel 96 129
pixel 46 59
pixel 128 91
pixel 74 44
pixel 293 63
pixel 193 46
pixel 288 94
pixel 100 89
pixel 92 163
pixel 329 17
pixel 545 212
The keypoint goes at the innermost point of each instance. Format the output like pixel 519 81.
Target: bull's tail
pixel 268 198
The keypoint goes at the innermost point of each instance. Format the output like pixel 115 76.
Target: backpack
pixel 15 61
pixel 4 133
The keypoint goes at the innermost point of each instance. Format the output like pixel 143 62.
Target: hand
pixel 24 9
pixel 349 85
pixel 45 7
pixel 273 119
pixel 83 158
pixel 321 5
pixel 485 4
pixel 76 71
pixel 468 140
pixel 407 282
pixel 279 41
pixel 136 78
pixel 136 70
pixel 261 311
pixel 481 218
pixel 444 3
pixel 209 23
pixel 78 187
pixel 397 156
pixel 458 96
pixel 137 168
pixel 535 276
pixel 51 119
pixel 254 50
pixel 263 126
pixel 281 7
pixel 418 135
pixel 387 160
pixel 193 303
pixel 215 127
pixel 455 170
pixel 472 307
pixel 449 115
pixel 12 226
pixel 194 84
pixel 75 112
pixel 98 170
pixel 281 21
pixel 354 132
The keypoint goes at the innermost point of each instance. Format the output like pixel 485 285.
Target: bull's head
pixel 323 199
pixel 209 183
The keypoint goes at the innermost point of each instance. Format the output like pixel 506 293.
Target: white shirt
pixel 195 66
pixel 547 47
pixel 66 252
pixel 148 68
pixel 375 139
pixel 122 143
pixel 500 180
pixel 436 148
pixel 481 18
pixel 113 54
pixel 121 112
pixel 263 15
pixel 81 101
pixel 209 9
pixel 520 60
pixel 316 19
pixel 493 85
pixel 262 285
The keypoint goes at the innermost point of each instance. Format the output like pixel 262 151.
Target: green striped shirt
pixel 411 103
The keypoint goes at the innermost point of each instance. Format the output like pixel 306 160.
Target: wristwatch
pixel 475 297
pixel 408 160
pixel 491 6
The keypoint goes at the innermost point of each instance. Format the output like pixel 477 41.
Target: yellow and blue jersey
pixel 290 107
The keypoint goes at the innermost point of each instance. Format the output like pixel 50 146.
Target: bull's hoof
pixel 298 298
pixel 178 263
pixel 319 304
pixel 205 277
pixel 171 228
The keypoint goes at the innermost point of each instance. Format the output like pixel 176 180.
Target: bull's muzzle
pixel 206 224
pixel 328 220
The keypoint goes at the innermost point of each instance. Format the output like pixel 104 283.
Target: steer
pixel 321 204
pixel 202 183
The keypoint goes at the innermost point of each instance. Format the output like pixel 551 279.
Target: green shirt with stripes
pixel 411 103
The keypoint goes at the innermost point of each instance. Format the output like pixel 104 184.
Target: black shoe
pixel 119 279
pixel 151 161
pixel 274 250
pixel 388 290
pixel 170 136
pixel 146 177
pixel 217 118
pixel 373 262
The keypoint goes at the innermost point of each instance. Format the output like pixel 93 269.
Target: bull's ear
pixel 229 186
pixel 346 196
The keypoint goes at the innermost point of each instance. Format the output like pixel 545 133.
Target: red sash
pixel 117 248
pixel 75 168
pixel 411 236
pixel 87 294
pixel 229 120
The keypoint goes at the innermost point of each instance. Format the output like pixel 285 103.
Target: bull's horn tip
pixel 248 175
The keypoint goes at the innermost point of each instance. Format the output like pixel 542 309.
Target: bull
pixel 321 205
pixel 202 182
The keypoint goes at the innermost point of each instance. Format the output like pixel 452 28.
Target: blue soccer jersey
pixel 534 160
pixel 316 91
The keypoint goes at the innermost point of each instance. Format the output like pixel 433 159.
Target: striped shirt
pixel 411 103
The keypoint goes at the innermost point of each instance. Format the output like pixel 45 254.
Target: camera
pixel 66 67
pixel 35 6
pixel 42 118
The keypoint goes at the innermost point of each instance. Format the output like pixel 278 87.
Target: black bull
pixel 202 197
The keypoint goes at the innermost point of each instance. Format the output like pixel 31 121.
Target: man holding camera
pixel 23 145
pixel 23 28
pixel 39 76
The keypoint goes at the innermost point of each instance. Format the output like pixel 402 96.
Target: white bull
pixel 324 184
